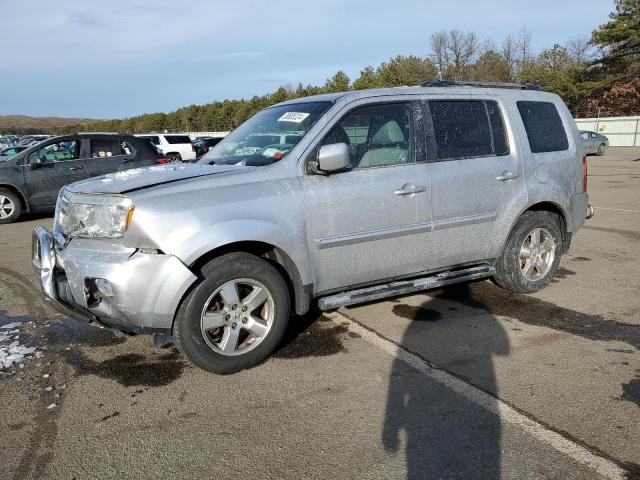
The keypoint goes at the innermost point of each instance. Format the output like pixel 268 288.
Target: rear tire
pixel 10 206
pixel 235 317
pixel 602 149
pixel 174 157
pixel 531 254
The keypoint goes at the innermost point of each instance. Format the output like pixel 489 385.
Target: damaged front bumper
pixel 124 289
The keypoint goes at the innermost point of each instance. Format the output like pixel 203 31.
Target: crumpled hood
pixel 138 178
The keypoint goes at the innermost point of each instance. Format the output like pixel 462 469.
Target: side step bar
pixel 404 287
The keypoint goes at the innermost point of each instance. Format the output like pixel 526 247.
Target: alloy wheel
pixel 537 253
pixel 7 207
pixel 237 317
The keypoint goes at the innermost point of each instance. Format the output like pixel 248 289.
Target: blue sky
pixel 116 58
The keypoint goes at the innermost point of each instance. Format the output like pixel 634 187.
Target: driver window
pixel 58 152
pixel 377 136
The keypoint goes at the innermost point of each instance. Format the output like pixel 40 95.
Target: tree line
pixel 596 75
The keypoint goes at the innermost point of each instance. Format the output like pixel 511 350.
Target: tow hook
pixel 590 211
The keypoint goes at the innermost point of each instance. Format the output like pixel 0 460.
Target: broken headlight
pixel 92 215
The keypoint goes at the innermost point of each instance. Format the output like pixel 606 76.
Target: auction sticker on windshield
pixel 295 117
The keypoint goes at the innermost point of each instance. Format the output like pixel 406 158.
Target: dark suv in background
pixel 30 181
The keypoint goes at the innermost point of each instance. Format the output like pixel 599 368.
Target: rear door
pixel 371 222
pixel 60 165
pixel 109 154
pixel 473 173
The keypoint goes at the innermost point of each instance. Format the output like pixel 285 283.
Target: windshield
pixel 266 137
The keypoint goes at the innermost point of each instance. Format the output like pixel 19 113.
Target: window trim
pixel 414 105
pixel 430 134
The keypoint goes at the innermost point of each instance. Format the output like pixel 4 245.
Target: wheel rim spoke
pixel 211 320
pixel 256 298
pixel 542 266
pixel 257 327
pixel 525 252
pixel 229 341
pixel 535 238
pixel 547 245
pixel 229 294
pixel 528 268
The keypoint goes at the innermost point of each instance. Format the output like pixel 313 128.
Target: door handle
pixel 410 189
pixel 507 175
pixel 76 167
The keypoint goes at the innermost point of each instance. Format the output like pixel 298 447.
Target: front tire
pixel 10 206
pixel 235 317
pixel 531 254
pixel 602 149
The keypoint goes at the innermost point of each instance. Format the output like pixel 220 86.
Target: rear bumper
pixel 580 211
pixel 128 291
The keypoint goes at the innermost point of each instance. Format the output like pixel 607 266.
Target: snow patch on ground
pixel 12 352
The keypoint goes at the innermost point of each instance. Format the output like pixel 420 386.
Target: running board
pixel 404 287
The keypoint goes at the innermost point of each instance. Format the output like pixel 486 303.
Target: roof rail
pixel 473 83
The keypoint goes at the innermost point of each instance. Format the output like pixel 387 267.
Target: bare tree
pixel 440 54
pixel 580 49
pixel 509 53
pixel 523 45
pixel 462 48
pixel 488 45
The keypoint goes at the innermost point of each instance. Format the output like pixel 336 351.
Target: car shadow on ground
pixel 442 433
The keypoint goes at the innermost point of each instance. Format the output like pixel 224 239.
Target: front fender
pixel 190 246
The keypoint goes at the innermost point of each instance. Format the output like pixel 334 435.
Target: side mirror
pixel 36 162
pixel 333 157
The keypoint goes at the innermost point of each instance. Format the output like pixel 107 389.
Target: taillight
pixel 162 161
pixel 584 173
pixel 193 148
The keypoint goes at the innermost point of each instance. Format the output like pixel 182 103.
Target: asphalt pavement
pixel 464 382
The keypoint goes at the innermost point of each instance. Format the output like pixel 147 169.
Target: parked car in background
pixel 341 198
pixel 203 144
pixel 594 143
pixel 11 151
pixel 32 139
pixel 30 181
pixel 175 146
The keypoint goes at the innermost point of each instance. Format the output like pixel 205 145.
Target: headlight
pixel 92 215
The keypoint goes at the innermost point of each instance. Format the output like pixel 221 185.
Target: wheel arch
pixel 545 206
pixel 23 198
pixel 301 293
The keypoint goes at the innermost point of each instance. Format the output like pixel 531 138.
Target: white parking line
pixel 575 451
pixel 617 209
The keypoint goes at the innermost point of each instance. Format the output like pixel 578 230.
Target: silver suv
pixel 339 199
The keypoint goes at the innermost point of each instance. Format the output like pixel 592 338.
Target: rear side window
pixel 109 147
pixel 467 128
pixel 544 127
pixel 153 138
pixel 173 139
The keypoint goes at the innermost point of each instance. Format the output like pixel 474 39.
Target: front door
pixel 473 171
pixel 52 167
pixel 371 222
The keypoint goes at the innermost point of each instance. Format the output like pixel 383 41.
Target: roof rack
pixel 472 83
